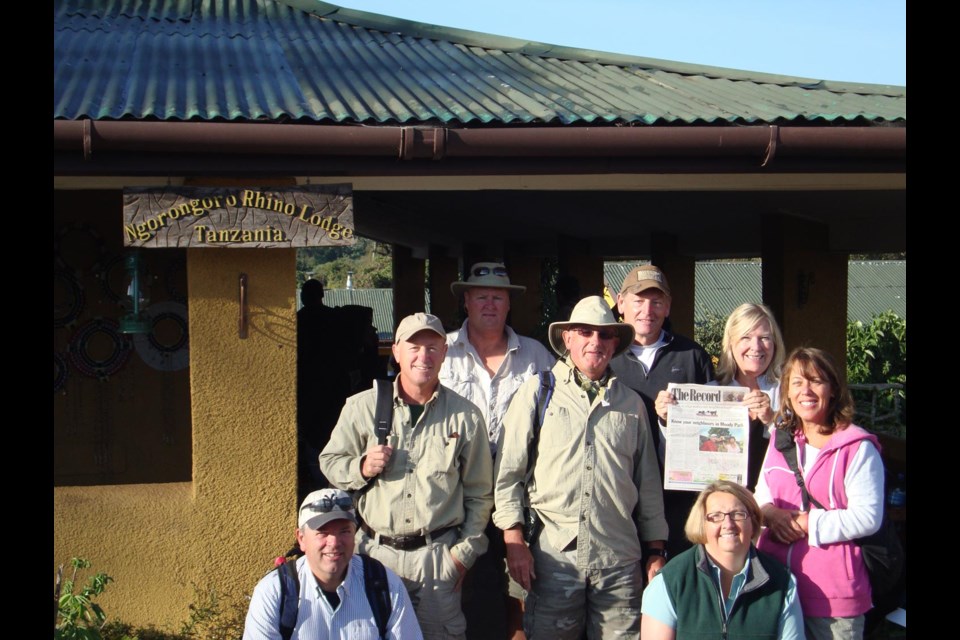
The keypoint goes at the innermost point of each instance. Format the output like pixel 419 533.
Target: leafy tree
pixel 370 262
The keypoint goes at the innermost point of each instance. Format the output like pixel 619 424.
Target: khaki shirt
pixel 440 473
pixel 463 371
pixel 596 477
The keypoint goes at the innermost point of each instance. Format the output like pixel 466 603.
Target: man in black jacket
pixel 656 358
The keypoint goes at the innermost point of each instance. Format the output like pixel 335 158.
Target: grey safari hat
pixel 325 505
pixel 591 311
pixel 490 275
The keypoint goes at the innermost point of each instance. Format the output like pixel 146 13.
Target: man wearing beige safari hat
pixel 423 497
pixel 486 363
pixel 584 462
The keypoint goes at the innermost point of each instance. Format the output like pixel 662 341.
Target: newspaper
pixel 708 433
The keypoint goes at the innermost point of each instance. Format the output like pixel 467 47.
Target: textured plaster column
pixel 243 396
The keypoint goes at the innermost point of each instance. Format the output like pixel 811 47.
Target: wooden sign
pixel 320 216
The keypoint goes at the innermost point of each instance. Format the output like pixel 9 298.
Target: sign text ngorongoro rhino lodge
pixel 238 217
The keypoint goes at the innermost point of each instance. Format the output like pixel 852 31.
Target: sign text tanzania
pixel 253 217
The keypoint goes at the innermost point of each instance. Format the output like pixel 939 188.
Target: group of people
pixel 496 452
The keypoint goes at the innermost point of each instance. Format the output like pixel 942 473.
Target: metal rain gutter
pixel 91 138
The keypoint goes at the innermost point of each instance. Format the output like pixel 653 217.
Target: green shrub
pixel 877 353
pixel 77 616
pixel 708 331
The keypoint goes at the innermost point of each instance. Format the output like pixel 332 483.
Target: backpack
pixel 882 552
pixel 374 583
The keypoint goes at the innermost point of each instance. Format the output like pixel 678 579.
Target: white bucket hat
pixel 591 311
pixel 489 275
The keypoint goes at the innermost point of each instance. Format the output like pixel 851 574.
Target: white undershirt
pixel 646 354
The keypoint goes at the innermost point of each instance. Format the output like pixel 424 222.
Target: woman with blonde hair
pixel 752 357
pixel 722 586
pixel 814 530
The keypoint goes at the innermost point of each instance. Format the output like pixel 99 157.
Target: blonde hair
pixel 695 521
pixel 742 321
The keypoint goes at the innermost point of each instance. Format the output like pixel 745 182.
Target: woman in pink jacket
pixel 841 468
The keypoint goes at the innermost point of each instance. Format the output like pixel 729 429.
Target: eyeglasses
pixel 603 334
pixel 326 505
pixel 485 271
pixel 718 516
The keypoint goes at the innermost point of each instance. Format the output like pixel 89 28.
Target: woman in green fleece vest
pixel 722 587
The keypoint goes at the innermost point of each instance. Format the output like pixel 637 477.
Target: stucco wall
pixel 222 530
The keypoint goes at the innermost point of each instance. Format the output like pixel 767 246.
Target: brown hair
pixel 815 364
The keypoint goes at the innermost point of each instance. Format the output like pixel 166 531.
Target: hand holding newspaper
pixel 708 433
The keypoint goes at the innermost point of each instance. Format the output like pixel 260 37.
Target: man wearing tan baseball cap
pixel 656 358
pixel 425 494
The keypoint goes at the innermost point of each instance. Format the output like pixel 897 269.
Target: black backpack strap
pixel 378 592
pixel 289 597
pixel 787 447
pixel 544 393
pixel 383 418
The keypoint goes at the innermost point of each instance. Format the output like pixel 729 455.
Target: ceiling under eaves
pixel 307 61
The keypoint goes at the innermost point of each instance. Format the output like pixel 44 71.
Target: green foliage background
pixel 370 261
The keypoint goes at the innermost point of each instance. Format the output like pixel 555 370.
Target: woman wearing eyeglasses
pixel 722 586
pixel 841 469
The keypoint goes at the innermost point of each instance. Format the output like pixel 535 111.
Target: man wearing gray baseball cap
pixel 426 490
pixel 333 600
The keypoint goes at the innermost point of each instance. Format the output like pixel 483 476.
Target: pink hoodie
pixel 832 580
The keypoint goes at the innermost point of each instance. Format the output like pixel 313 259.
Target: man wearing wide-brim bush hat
pixel 486 363
pixel 594 484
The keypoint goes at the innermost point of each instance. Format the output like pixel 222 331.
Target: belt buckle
pixel 403 542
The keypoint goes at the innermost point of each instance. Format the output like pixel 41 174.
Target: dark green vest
pixel 698 602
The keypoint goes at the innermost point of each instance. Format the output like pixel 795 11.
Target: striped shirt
pixel 317 620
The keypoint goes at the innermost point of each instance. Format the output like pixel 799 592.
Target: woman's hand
pixel 662 403
pixel 758 403
pixel 784 525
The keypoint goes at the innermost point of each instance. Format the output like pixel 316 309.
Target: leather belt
pixel 405 543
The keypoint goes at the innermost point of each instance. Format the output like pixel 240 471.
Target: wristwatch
pixel 656 551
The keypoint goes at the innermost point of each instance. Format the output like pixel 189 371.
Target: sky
pixel 840 40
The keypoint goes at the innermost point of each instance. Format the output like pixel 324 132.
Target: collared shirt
pixel 463 371
pixel 657 604
pixel 596 477
pixel 440 473
pixel 353 618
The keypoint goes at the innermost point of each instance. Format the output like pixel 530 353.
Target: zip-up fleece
pixel 699 605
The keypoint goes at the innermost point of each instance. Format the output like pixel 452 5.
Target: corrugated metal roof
pixel 312 61
pixel 872 286
pixel 380 300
